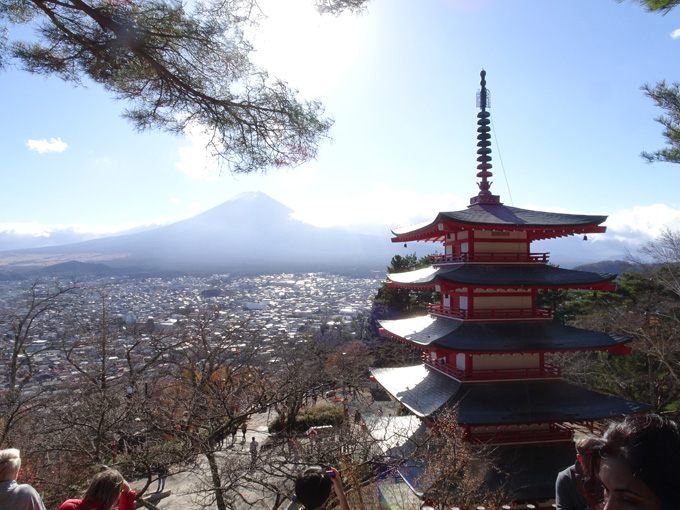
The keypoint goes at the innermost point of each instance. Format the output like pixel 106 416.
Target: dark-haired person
pixel 15 496
pixel 313 488
pixel 107 491
pixel 640 465
pixel 577 487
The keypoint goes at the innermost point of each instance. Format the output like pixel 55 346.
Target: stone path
pixel 183 485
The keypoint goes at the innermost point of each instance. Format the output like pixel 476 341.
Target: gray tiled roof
pixel 506 276
pixel 513 336
pixel 424 392
pixel 397 436
pixel 536 402
pixel 501 215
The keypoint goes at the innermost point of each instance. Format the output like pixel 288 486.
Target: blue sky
pixel 400 80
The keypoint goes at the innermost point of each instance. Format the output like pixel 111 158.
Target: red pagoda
pixel 483 348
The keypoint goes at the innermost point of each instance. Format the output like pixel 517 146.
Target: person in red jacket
pixel 107 491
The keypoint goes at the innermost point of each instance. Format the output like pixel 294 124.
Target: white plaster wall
pixel 500 248
pixel 489 234
pixel 500 302
pixel 497 361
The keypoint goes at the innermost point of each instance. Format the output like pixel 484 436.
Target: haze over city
pixel 569 122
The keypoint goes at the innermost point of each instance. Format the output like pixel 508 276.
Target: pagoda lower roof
pixel 525 473
pixel 425 391
pixel 540 276
pixel 489 337
pixel 500 216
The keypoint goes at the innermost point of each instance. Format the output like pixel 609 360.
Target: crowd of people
pixel 634 465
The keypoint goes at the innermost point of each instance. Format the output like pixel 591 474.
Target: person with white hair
pixel 12 494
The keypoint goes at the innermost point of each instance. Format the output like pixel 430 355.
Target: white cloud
pixel 25 229
pixel 642 223
pixel 675 33
pixel 35 229
pixel 635 226
pixel 196 160
pixel 43 146
pixel 381 205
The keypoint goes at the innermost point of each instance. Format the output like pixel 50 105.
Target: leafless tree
pixel 37 310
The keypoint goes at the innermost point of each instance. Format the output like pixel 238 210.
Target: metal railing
pixel 485 258
pixel 554 433
pixel 545 372
pixel 491 314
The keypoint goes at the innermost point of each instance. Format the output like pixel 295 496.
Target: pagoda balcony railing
pixel 554 433
pixel 490 258
pixel 495 374
pixel 495 314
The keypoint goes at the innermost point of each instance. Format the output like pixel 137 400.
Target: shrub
pixel 313 417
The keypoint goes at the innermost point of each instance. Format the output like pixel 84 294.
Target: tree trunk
pixel 216 480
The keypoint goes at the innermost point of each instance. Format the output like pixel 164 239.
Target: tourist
pixel 13 495
pixel 219 440
pixel 162 472
pixel 107 491
pixel 313 488
pixel 253 451
pixel 640 466
pixel 577 487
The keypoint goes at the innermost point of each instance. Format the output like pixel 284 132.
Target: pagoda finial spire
pixel 484 151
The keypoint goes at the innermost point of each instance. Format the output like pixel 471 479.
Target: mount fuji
pixel 249 232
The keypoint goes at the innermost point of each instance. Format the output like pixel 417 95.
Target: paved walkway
pixel 184 485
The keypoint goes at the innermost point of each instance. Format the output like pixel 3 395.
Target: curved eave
pixel 497 276
pixel 536 402
pixel 421 390
pixel 431 333
pixel 539 224
pixel 425 392
pixel 437 234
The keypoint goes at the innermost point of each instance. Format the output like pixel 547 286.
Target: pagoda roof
pixel 397 436
pixel 423 391
pixel 513 336
pixel 525 472
pixel 426 391
pixel 516 276
pixel 499 216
